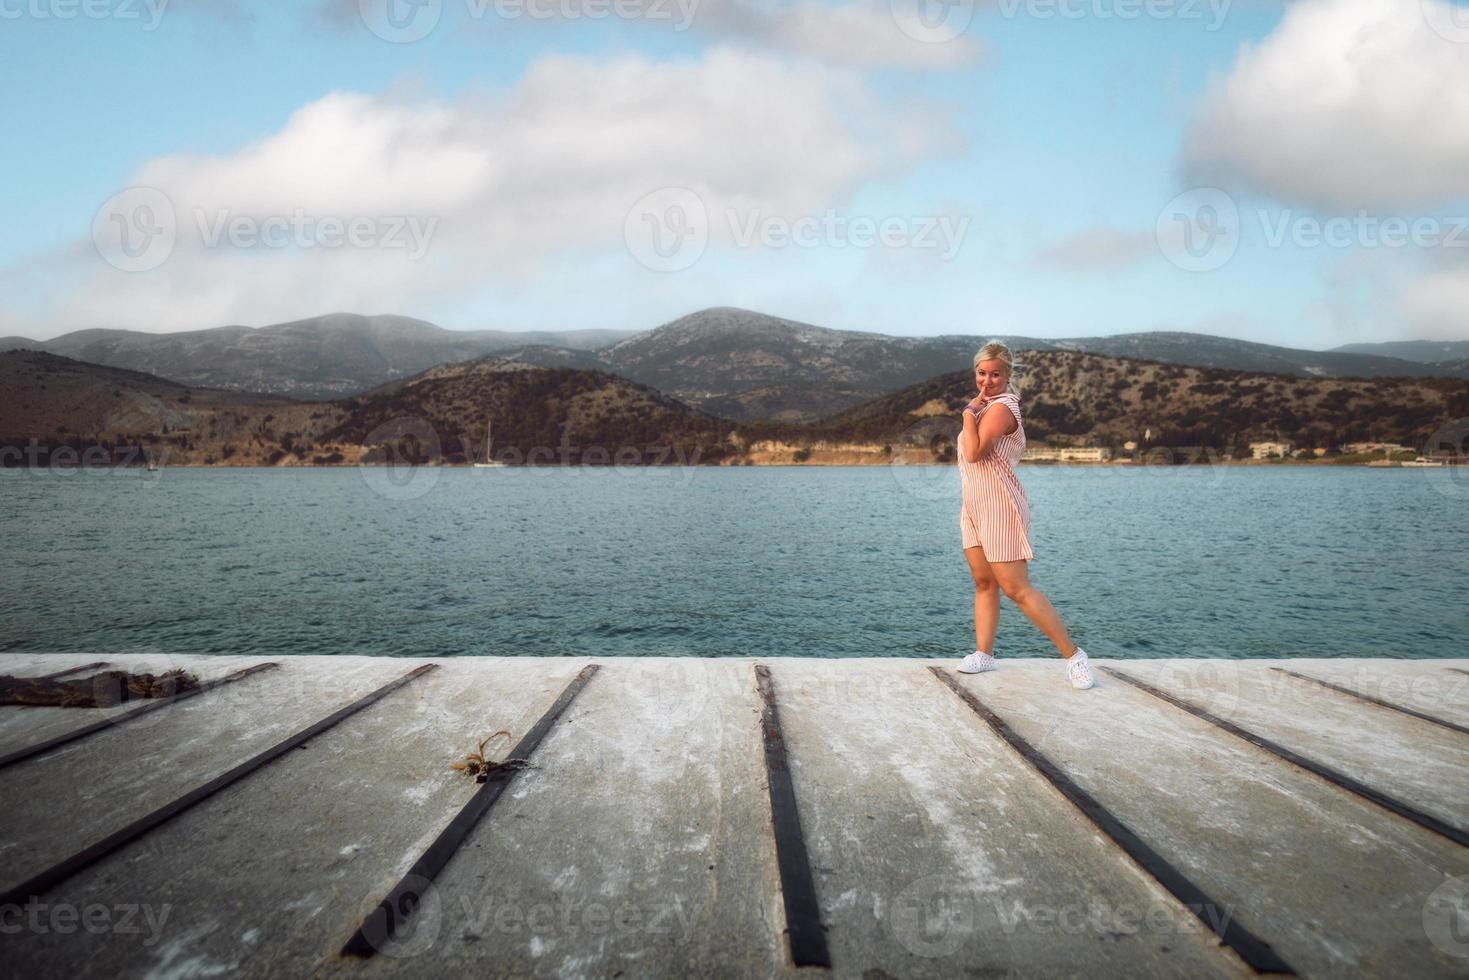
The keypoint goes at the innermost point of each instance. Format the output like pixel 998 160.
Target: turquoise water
pixel 801 561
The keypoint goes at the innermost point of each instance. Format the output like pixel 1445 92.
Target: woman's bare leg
pixel 986 600
pixel 1014 578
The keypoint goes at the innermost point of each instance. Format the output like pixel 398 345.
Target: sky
pixel 1291 173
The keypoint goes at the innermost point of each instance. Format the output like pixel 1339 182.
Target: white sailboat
pixel 490 461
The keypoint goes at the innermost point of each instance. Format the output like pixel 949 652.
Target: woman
pixel 995 517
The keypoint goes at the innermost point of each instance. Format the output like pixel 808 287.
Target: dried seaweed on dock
pixel 101 690
pixel 477 765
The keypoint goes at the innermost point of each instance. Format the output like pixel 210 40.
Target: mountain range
pixel 320 357
pixel 450 411
pixel 736 364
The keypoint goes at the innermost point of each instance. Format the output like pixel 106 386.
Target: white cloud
pixel 519 184
pixel 865 33
pixel 1100 248
pixel 1434 305
pixel 858 33
pixel 1347 104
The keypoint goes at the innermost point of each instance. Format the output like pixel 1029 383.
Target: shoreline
pixel 1203 460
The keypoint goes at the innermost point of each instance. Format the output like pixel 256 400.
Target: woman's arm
pixel 981 435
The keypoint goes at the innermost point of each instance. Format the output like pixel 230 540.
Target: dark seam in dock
pixel 1457 670
pixel 69 671
pixel 1377 701
pixel 404 898
pixel 59 872
pixel 804 929
pixel 1337 778
pixel 1256 953
pixel 31 751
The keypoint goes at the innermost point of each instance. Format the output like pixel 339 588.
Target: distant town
pixel 1364 453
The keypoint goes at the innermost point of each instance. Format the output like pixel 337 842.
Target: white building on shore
pixel 1067 454
pixel 1270 450
pixel 1374 447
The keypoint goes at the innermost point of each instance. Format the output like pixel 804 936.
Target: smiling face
pixel 991 377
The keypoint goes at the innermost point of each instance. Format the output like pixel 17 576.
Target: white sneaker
pixel 976 662
pixel 1079 670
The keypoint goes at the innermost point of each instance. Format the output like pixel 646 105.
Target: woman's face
pixel 991 377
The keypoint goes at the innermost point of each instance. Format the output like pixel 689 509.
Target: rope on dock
pixel 66 738
pixel 390 915
pixel 32 889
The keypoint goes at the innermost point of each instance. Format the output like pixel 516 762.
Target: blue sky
pixel 568 172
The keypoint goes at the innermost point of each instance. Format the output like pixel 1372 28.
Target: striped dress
pixel 995 513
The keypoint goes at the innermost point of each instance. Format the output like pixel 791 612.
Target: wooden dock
pixel 779 817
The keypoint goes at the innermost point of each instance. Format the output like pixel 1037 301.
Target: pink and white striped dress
pixel 995 512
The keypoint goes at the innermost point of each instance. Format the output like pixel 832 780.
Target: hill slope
pixel 749 366
pixel 320 357
pixel 57 401
pixel 735 363
pixel 1070 398
pixel 1073 398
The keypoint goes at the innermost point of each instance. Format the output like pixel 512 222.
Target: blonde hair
pixel 998 350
